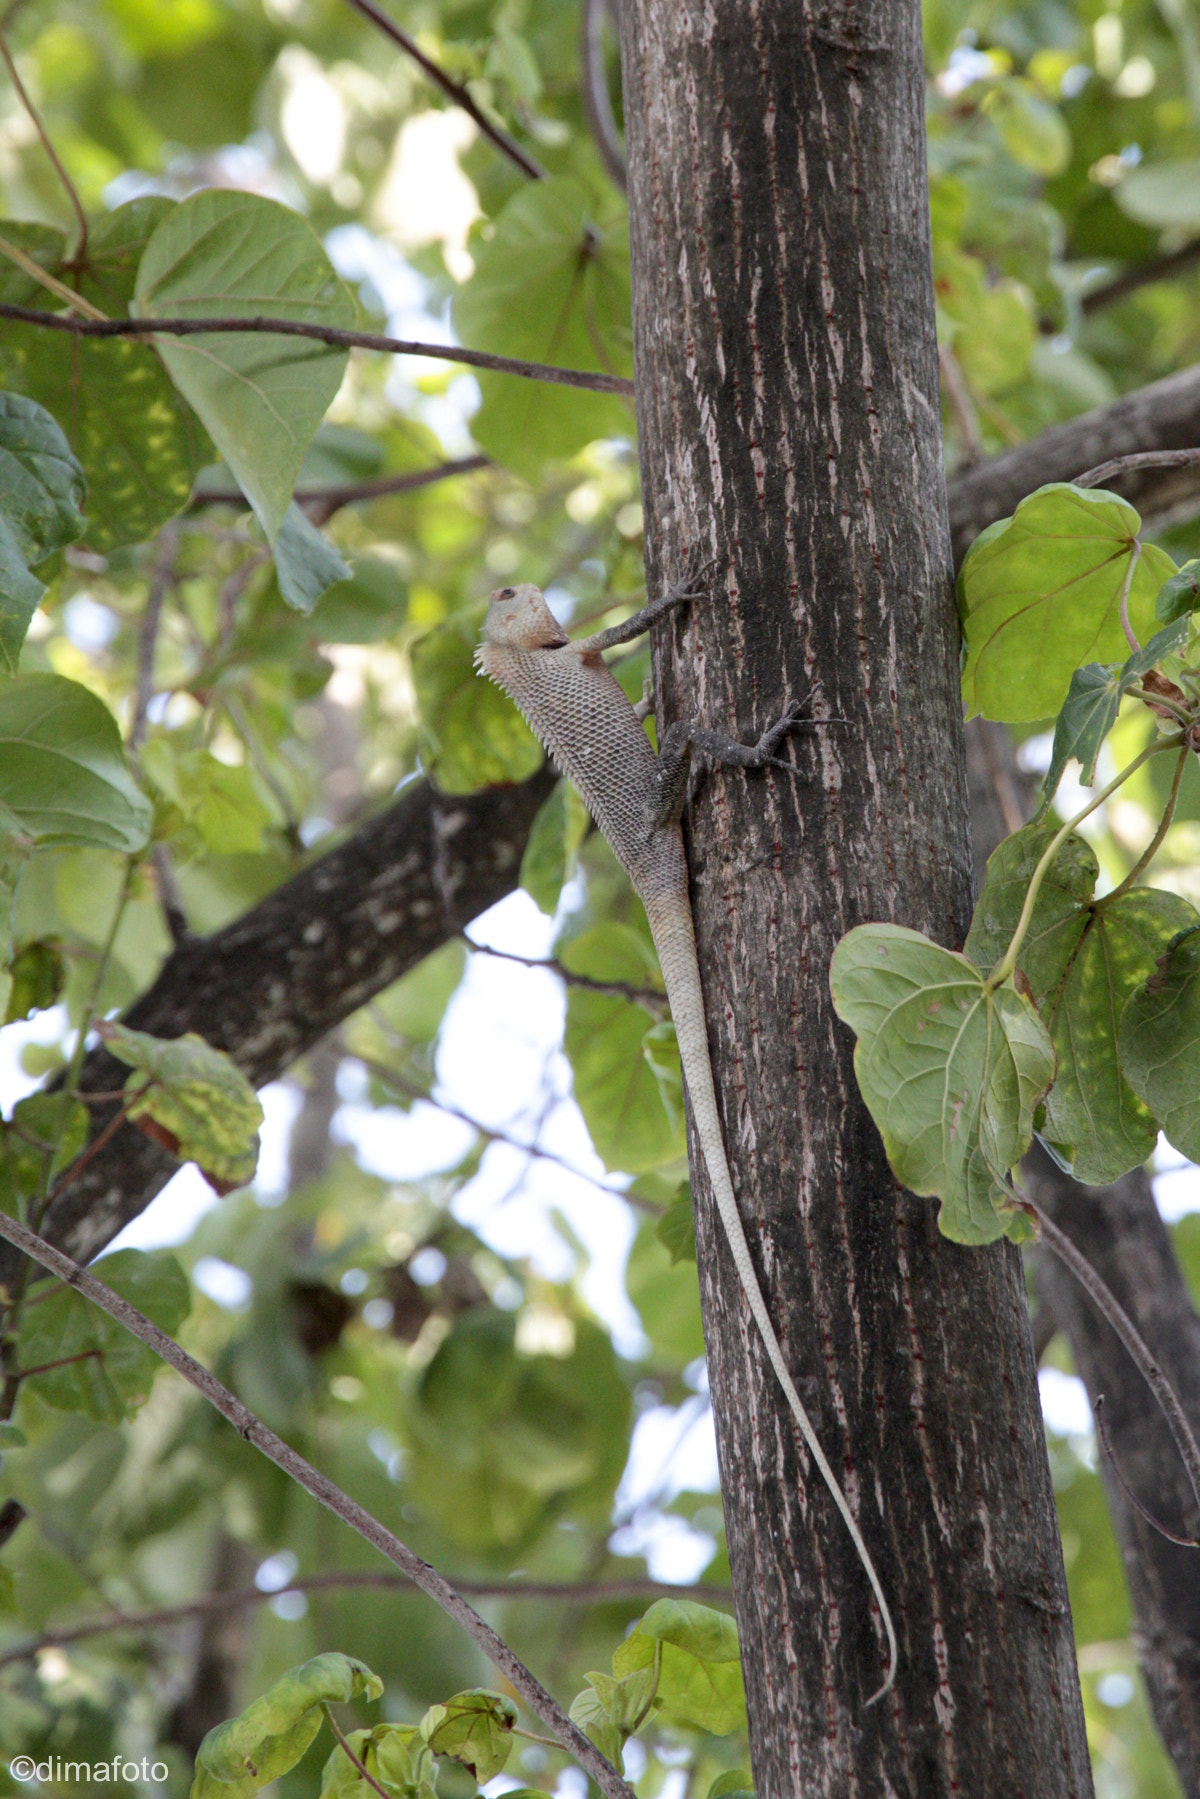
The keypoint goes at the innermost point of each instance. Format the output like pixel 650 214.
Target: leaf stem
pixel 1156 842
pixel 350 1755
pixel 1008 961
pixel 1123 608
pixel 322 1489
pixel 335 335
pixel 80 253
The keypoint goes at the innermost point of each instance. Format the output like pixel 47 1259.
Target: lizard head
pixel 518 618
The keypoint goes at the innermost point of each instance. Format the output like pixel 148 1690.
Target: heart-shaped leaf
pixel 950 1072
pixel 62 768
pixel 1040 594
pixel 261 397
pixel 41 492
pixel 1159 1042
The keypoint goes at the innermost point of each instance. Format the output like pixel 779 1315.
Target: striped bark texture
pixel 789 423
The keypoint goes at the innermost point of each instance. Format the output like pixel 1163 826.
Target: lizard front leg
pixel 684 590
pixel 685 735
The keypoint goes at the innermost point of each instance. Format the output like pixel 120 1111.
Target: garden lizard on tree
pixel 579 713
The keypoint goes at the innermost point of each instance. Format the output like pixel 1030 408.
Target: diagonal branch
pixel 325 334
pixel 453 90
pixel 326 1493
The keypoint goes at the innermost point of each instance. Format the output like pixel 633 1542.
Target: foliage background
pixel 449 1346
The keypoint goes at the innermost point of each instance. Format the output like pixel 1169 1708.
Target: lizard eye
pixel 507 593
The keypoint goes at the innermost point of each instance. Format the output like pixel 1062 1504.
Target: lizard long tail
pixel 674 939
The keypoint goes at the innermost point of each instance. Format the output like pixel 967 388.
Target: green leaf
pixel 197 1096
pixel 1082 962
pixel 474 1728
pixel 990 326
pixel 589 1711
pixel 1093 701
pixel 140 445
pixel 950 1073
pixel 558 830
pixel 218 799
pixel 735 1783
pixel 62 768
pixel 1159 1042
pixel 48 1131
pixel 241 1756
pixel 666 1296
pixel 615 1050
pixel 116 1375
pixel 37 970
pixel 551 284
pixel 41 492
pixel 608 1709
pixel 1166 194
pixel 11 1436
pixel 1032 128
pixel 1040 594
pixel 700 1676
pixel 471 734
pixel 45 245
pixel 1180 596
pixel 14 852
pixel 306 563
pixel 260 397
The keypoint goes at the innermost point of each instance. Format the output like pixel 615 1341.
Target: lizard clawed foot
pixel 796 720
pixel 644 707
pixel 688 586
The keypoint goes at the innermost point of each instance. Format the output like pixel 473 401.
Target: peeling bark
pixel 789 425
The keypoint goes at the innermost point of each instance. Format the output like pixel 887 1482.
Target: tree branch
pixel 335 496
pixel 326 334
pixel 527 164
pixel 324 1491
pixel 1141 274
pixel 210 1605
pixel 1163 416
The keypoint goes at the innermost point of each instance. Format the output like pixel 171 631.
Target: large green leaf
pixel 558 830
pixel 1159 1042
pixel 1040 593
pixel 306 563
pixel 140 445
pixel 1082 961
pixel 199 1100
pixel 551 284
pixel 114 1372
pixel 1162 193
pixel 41 491
pixel 261 397
pixel 950 1073
pixel 267 1739
pixel 62 768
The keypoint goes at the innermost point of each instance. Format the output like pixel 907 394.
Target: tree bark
pixel 1120 1232
pixel 787 386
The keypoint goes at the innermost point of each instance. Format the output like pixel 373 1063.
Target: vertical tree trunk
pixel 783 319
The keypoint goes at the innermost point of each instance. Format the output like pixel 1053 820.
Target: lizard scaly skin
pixel 574 705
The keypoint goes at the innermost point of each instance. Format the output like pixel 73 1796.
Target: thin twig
pixel 93 1149
pixel 597 103
pixel 1110 1308
pixel 1119 465
pixel 52 284
pixel 453 90
pixel 80 253
pixel 961 405
pixel 241 1598
pixel 322 1489
pixel 353 491
pixel 1131 1496
pixel 1159 268
pixel 325 334
pixel 641 996
pixel 85 1355
pixel 353 1759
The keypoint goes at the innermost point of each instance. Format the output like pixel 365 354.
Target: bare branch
pixel 334 497
pixel 527 164
pixel 1117 465
pixel 242 1598
pixel 597 104
pixel 1159 268
pixel 326 1493
pixel 326 334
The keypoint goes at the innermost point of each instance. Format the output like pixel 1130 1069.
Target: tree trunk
pixel 787 382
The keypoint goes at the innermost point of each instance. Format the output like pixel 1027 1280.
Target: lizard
pixel 574 705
